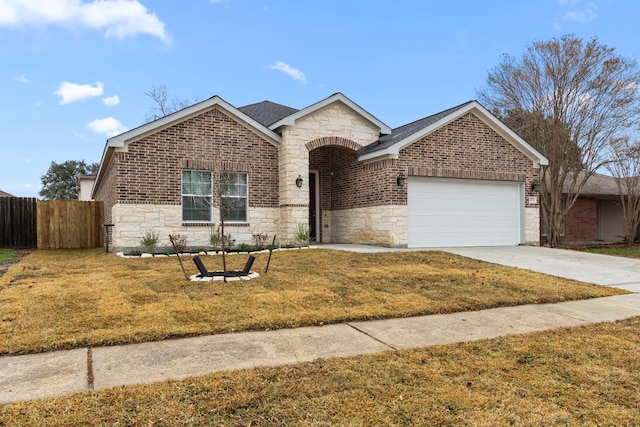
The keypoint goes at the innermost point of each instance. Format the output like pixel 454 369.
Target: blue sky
pixel 74 72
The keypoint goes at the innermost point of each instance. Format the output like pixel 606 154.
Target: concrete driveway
pixel 623 273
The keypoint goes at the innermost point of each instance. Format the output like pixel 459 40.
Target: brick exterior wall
pixel 345 183
pixel 210 141
pixel 465 148
pixel 468 148
pixel 581 222
pixel 149 172
pixel 355 197
pixel 107 190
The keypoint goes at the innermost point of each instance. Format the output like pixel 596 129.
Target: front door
pixel 313 208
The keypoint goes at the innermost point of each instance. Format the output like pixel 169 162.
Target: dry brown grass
pixel 578 376
pixel 67 299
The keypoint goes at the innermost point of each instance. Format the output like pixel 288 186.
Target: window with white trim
pixel 234 196
pixel 197 197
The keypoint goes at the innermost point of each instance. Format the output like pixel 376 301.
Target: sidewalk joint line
pixel 90 377
pixel 372 337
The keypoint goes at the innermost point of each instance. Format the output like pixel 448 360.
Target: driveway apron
pixel 623 273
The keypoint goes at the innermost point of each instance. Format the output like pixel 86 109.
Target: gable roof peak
pixel 390 145
pixel 336 97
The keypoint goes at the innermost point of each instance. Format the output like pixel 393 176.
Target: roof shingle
pixel 266 112
pixel 402 132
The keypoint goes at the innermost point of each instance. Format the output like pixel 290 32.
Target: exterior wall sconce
pixel 401 180
pixel 299 181
pixel 535 186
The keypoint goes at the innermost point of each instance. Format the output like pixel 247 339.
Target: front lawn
pixel 7 254
pixel 576 376
pixel 72 298
pixel 623 251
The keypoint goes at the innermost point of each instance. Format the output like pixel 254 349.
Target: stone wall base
pixel 377 225
pixel 532 226
pixel 132 221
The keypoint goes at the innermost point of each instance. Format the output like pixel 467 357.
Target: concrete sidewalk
pixel 52 374
pixel 57 373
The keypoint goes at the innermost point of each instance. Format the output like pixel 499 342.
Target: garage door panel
pixel 457 212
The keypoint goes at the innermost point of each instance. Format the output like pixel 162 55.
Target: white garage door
pixel 462 212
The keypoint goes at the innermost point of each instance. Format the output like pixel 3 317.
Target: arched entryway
pixel 333 172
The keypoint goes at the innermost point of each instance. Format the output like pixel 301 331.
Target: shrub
pixel 302 234
pixel 259 240
pixel 243 247
pixel 180 242
pixel 219 241
pixel 215 237
pixel 149 240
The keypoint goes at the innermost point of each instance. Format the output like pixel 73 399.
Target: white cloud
pixel 109 126
pixel 111 101
pixel 71 92
pixel 290 71
pixel 118 18
pixel 578 13
pixel 584 16
pixel 22 79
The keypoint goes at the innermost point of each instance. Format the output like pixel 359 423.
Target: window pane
pixel 196 196
pixel 233 184
pixel 234 209
pixel 196 208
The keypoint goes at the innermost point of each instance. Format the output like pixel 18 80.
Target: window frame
pixel 208 196
pixel 226 195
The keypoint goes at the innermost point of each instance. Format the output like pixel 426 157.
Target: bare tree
pixel 568 98
pixel 164 104
pixel 625 168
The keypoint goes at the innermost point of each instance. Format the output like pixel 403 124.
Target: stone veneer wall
pixel 334 121
pixel 376 225
pixel 532 225
pixel 133 220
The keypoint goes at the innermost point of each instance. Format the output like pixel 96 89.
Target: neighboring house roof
pixel 5 194
pixel 267 112
pixel 597 185
pixel 390 145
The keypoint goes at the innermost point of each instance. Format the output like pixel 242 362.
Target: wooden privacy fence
pixel 70 224
pixel 18 222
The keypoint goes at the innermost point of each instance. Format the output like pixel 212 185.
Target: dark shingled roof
pixel 402 132
pixel 266 112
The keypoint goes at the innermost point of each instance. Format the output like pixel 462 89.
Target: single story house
pixel 5 194
pixel 457 178
pixel 595 217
